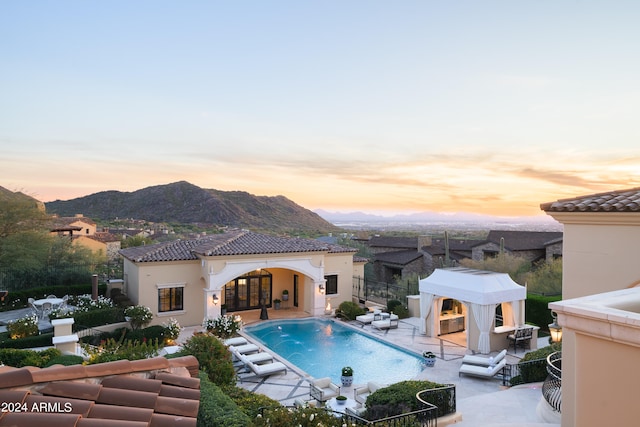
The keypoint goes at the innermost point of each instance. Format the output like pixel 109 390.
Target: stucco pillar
pixel 212 310
pixel 319 299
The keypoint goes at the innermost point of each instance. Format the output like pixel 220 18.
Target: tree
pixel 516 267
pixel 546 278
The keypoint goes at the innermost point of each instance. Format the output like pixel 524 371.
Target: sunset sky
pixel 486 106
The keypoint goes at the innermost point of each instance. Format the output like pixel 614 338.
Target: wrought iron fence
pixel 523 372
pixel 381 292
pixel 552 386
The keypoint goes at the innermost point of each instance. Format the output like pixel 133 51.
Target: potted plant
pixel 429 358
pixel 285 295
pixel 347 376
pixel 341 399
pixel 276 303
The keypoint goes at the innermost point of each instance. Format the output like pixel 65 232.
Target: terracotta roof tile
pixel 111 412
pixel 153 364
pixel 97 422
pixel 612 201
pixel 129 382
pixel 111 368
pixel 72 390
pixel 180 392
pixel 236 242
pixel 164 420
pixel 37 419
pixel 59 372
pixel 133 398
pixel 16 377
pixel 64 404
pixel 178 380
pixel 111 394
pixel 176 406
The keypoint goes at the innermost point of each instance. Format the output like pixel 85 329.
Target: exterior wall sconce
pixel 555 330
pixel 321 288
pixel 215 299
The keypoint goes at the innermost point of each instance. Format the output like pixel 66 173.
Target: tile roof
pixel 398 257
pixel 236 242
pixel 612 201
pixel 523 240
pixel 150 392
pixel 393 242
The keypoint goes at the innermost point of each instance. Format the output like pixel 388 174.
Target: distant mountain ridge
pixel 186 203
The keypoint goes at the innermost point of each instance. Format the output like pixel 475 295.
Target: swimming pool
pixel 322 347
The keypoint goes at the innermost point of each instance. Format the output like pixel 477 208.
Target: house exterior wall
pixel 599 255
pixel 87 228
pixel 96 247
pixel 478 252
pixel 202 278
pixel 554 251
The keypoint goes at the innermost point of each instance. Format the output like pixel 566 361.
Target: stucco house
pixel 600 310
pixel 83 231
pixel 191 279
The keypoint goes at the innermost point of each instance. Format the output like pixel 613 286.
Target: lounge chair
pixel 267 369
pixel 484 361
pixel 367 318
pixel 360 394
pixel 243 350
pixel 236 341
pixel 482 371
pixel 322 389
pixel 257 358
pixel 390 322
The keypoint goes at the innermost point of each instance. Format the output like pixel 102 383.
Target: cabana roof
pixel 474 286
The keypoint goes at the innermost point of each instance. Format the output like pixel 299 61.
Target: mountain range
pixel 182 202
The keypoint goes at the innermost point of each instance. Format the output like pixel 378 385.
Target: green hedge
pixel 42 340
pixel 216 408
pixel 151 333
pixel 349 310
pixel 66 360
pixel 19 358
pixel 400 398
pixel 537 310
pixel 93 318
pixel 533 366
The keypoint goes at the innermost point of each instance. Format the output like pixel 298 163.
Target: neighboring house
pixel 533 246
pixel 240 268
pixel 405 256
pixel 74 225
pixel 600 310
pixel 101 243
pixel 83 232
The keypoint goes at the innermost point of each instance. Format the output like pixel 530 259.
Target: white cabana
pixel 481 291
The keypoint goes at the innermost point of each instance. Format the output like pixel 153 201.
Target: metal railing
pixel 433 403
pixel 552 386
pixel 381 292
pixel 523 372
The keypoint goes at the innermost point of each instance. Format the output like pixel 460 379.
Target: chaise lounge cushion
pixel 267 368
pixel 368 317
pixel 484 361
pixel 388 323
pixel 323 389
pixel 482 371
pixel 235 341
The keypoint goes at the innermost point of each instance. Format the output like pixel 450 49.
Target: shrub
pixel 42 340
pixel 216 408
pixel 20 358
pixel 24 327
pixel 299 417
pixel 392 304
pixel 224 326
pixel 533 366
pixel 537 310
pixel 213 357
pixel 349 310
pixel 400 398
pixel 172 329
pixel 250 403
pixel 66 360
pixel 92 318
pixel 139 315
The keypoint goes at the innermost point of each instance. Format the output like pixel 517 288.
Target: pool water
pixel 322 347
